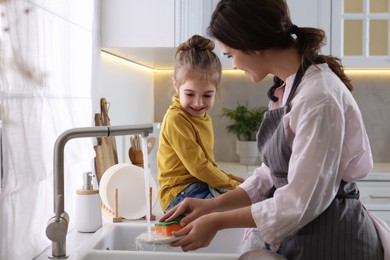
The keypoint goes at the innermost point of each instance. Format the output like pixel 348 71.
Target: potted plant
pixel 246 122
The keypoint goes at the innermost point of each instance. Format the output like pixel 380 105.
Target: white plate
pixel 156 239
pixel 130 182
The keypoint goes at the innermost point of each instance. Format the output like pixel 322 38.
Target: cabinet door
pixel 192 17
pixel 134 23
pixel 312 13
pixel 360 32
pixel 375 196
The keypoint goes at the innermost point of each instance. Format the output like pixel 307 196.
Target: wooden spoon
pixel 132 154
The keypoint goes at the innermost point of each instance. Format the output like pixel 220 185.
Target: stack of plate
pixel 130 182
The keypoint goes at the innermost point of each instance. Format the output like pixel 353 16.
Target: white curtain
pixel 48 54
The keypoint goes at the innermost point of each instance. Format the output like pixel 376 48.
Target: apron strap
pixel 297 80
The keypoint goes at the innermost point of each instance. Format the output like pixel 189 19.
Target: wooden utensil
pixel 99 158
pixel 106 152
pixel 111 142
pixel 132 155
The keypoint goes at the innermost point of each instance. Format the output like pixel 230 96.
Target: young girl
pixel 186 163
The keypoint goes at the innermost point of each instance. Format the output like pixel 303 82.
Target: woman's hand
pixel 198 233
pixel 190 209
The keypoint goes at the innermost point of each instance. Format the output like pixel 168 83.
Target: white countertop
pixel 380 171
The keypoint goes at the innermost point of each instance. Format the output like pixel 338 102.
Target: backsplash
pixel 371 90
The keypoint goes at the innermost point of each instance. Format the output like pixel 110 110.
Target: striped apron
pixel 344 230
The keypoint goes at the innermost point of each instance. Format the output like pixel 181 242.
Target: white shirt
pixel 326 133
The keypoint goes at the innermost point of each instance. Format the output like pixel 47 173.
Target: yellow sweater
pixel 185 154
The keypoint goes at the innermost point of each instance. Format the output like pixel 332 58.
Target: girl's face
pixel 253 64
pixel 196 96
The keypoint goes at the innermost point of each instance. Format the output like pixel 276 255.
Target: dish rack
pixel 113 215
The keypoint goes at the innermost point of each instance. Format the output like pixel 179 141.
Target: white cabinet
pixel 312 13
pixel 375 191
pixel 360 33
pixel 148 31
pixel 152 23
pixel 375 196
pixel 134 23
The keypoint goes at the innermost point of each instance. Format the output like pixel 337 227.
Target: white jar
pixel 88 211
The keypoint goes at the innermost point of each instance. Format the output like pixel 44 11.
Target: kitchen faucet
pixel 57 227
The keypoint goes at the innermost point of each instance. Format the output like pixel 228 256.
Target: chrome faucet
pixel 57 227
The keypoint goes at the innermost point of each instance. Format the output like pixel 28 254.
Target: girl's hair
pixel 195 59
pixel 251 25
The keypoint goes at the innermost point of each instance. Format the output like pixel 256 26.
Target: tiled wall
pixel 372 92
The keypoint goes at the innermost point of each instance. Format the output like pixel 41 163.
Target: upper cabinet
pixel 134 23
pixel 149 31
pixel 312 13
pixel 360 33
pixel 152 23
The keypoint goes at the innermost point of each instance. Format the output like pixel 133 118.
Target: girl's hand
pixel 198 233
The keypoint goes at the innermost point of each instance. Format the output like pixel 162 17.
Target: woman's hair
pixel 252 25
pixel 195 59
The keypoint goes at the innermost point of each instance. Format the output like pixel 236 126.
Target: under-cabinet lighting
pixel 367 71
pixel 117 58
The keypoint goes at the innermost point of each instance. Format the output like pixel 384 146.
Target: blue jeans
pixel 197 190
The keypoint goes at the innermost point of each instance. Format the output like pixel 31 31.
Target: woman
pixel 303 200
pixel 186 164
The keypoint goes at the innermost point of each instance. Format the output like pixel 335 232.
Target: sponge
pixel 166 228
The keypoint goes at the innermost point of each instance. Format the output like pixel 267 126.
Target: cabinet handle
pixel 379 197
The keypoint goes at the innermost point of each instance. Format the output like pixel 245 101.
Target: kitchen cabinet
pixel 375 191
pixel 149 31
pixel 312 13
pixel 360 33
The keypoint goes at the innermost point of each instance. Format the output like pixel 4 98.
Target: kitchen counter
pixel 380 171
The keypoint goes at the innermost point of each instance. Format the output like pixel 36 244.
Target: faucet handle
pixel 56 230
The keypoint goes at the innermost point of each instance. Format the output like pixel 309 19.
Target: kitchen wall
pixel 138 95
pixel 372 92
pixel 129 90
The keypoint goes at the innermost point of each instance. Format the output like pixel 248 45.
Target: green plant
pixel 246 121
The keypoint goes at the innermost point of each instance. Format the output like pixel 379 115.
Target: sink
pixel 116 241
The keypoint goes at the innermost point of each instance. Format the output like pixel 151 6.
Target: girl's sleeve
pixel 183 140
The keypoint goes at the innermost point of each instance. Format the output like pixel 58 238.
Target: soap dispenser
pixel 88 212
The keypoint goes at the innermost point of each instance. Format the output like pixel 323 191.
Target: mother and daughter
pixel 303 201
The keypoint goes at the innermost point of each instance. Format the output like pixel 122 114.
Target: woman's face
pixel 196 96
pixel 253 64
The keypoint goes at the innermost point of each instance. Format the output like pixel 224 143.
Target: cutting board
pixel 111 142
pixel 106 152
